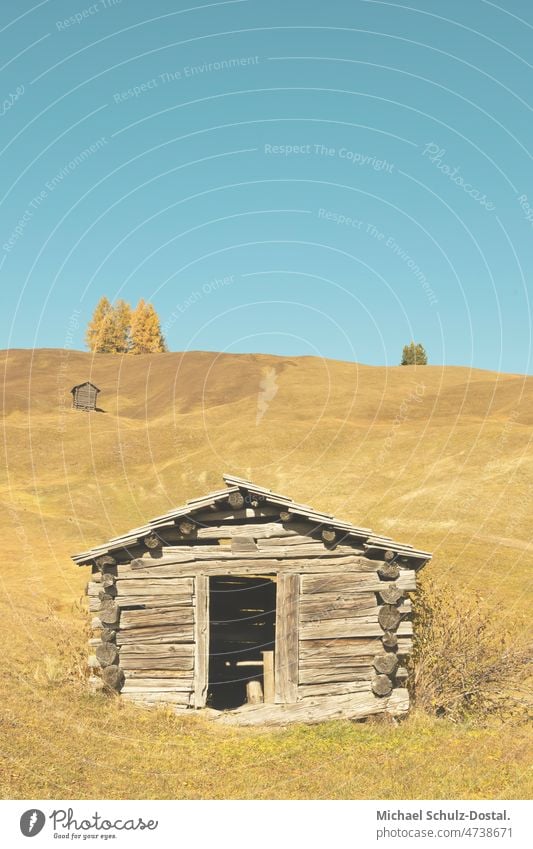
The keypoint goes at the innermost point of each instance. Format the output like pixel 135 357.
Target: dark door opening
pixel 242 618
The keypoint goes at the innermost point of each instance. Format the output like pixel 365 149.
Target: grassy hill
pixel 437 457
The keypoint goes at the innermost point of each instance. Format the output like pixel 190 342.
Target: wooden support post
pixel 286 689
pixel 254 692
pixel 201 646
pixel 268 676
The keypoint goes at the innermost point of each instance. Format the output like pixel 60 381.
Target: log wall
pixel 343 619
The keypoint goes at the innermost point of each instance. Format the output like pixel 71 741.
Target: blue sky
pixel 295 178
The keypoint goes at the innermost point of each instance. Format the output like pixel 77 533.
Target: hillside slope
pixel 437 457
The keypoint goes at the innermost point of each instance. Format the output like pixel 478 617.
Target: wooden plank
pixel 227 564
pixel 318 709
pixel 161 674
pixel 346 582
pixel 201 553
pixel 257 531
pixel 320 675
pixel 348 628
pixel 286 658
pixel 351 648
pixel 310 691
pixel 180 587
pixel 156 634
pixel 158 685
pixel 315 606
pixel 124 601
pixel 157 616
pixel 153 699
pixel 201 641
pixel 269 685
pixel 153 657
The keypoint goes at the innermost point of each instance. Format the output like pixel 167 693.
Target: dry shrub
pixel 464 664
pixel 68 663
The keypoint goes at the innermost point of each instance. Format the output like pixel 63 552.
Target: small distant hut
pixel 262 609
pixel 84 396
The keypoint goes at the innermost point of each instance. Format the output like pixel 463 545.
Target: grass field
pixel 437 457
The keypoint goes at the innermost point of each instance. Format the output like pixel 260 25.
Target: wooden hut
pixel 84 396
pixel 256 607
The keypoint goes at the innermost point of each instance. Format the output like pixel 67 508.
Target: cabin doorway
pixel 242 621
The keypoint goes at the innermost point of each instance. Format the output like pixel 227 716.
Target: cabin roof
pixel 85 383
pixel 372 543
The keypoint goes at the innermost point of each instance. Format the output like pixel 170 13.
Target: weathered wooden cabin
pixel 256 607
pixel 84 396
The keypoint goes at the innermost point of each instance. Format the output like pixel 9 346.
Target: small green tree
pixel 414 354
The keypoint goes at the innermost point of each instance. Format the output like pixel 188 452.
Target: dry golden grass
pixel 440 458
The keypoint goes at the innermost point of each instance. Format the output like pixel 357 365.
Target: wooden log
pixel 335 661
pixel 389 572
pixel 147 699
pixel 107 654
pixel 328 535
pixel 137 601
pixel 402 674
pixel 311 691
pixel 243 543
pixel 269 690
pixel 201 642
pixel 160 674
pixel 264 531
pixel 158 685
pixel 390 640
pixel 391 594
pixel 386 663
pixel 318 709
pixel 348 628
pixel 159 662
pixel 152 541
pixel 389 617
pixel 180 587
pixel 104 562
pixel 254 692
pixel 335 605
pixel 155 616
pixel 381 685
pixel 236 500
pixel 286 659
pixel 329 649
pixel 113 677
pixel 322 674
pixel 109 615
pixel 167 634
pixel 108 580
